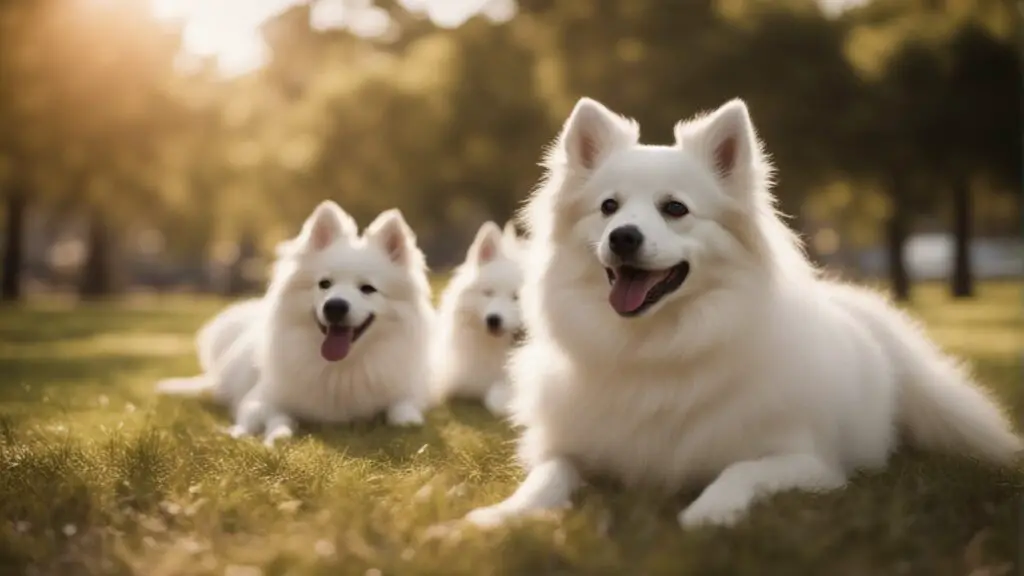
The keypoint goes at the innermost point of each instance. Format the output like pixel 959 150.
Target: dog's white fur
pixel 469 358
pixel 226 347
pixel 756 376
pixel 275 360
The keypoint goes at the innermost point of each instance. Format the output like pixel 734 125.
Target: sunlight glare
pixel 362 18
pixel 227 30
pixel 454 13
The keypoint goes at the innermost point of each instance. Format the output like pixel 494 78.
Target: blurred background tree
pixel 169 145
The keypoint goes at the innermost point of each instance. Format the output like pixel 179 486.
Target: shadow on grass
pixel 925 514
pixel 374 439
pixel 29 379
pixel 27 325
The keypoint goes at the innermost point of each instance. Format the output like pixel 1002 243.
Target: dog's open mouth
pixel 635 290
pixel 338 339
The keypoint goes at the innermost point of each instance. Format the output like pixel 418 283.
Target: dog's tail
pixel 193 386
pixel 940 406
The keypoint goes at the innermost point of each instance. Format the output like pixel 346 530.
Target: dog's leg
pixel 404 413
pixel 251 417
pixel 236 373
pixel 498 397
pixel 242 429
pixel 726 500
pixel 279 426
pixel 548 486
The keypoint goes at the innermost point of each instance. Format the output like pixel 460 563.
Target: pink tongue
pixel 336 344
pixel 629 291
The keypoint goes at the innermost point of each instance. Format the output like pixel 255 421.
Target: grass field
pixel 99 476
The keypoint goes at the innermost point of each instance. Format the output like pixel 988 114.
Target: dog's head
pixel 485 289
pixel 660 221
pixel 344 286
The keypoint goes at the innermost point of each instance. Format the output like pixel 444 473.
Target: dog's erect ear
pixel 486 245
pixel 509 233
pixel 327 224
pixel 390 231
pixel 726 140
pixel 592 132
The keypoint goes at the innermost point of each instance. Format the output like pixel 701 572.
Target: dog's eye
pixel 674 209
pixel 324 283
pixel 515 296
pixel 367 289
pixel 609 206
pixel 488 293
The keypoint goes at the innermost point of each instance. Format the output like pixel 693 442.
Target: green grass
pixel 98 475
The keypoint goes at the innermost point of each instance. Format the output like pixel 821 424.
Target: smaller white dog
pixel 479 321
pixel 322 344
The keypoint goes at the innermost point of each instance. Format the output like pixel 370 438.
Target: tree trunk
pixel 898 231
pixel 14 256
pixel 962 281
pixel 96 280
pixel 236 283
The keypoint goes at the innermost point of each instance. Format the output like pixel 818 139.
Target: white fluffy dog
pixel 226 347
pixel 341 334
pixel 479 321
pixel 678 335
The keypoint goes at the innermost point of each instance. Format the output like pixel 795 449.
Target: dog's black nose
pixel 493 322
pixel 335 310
pixel 625 241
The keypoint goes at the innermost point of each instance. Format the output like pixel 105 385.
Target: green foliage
pixel 99 475
pixel 940 95
pixel 98 111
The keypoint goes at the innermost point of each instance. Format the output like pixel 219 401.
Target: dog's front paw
pixel 405 415
pixel 276 435
pixel 712 512
pixel 236 431
pixel 488 516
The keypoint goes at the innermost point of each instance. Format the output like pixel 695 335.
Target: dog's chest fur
pixel 664 430
pixel 303 385
pixel 472 360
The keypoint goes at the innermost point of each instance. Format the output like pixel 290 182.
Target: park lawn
pixel 99 475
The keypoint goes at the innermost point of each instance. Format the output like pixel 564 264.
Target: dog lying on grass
pixel 341 334
pixel 479 321
pixel 679 336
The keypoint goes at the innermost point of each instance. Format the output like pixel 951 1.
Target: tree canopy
pixel 105 118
